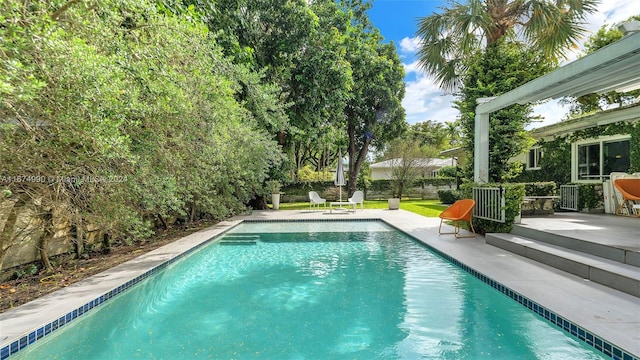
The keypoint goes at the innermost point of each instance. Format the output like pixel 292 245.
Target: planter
pixel 394 203
pixel 275 201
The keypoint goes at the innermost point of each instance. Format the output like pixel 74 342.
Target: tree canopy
pixel 462 28
pixel 133 114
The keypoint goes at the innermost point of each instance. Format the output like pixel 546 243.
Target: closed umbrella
pixel 340 182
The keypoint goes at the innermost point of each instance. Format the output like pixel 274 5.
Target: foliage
pixel 540 188
pixel 179 110
pixel 634 157
pixel 433 134
pixel 409 160
pixel 274 186
pixel 591 196
pixel 555 165
pixel 374 114
pixel 450 171
pixel 130 113
pixel 307 174
pixel 341 85
pixel 381 185
pixel 501 68
pixel 448 196
pixel 461 30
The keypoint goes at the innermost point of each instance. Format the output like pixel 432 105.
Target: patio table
pixel 340 204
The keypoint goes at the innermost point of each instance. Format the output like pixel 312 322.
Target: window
pixel 533 161
pixel 616 157
pixel 596 160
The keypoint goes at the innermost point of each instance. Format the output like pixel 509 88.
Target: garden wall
pixel 22 231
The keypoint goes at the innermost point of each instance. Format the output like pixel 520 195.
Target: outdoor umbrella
pixel 339 182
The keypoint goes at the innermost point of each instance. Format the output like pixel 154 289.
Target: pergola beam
pixel 614 67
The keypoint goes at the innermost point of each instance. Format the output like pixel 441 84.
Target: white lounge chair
pixel 358 198
pixel 315 200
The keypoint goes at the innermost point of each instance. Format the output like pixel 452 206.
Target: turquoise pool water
pixel 323 290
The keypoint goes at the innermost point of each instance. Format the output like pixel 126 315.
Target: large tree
pixel 487 48
pixel 464 27
pixel 374 113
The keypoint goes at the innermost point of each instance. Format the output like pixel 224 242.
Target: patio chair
pixel 315 200
pixel 629 187
pixel 358 198
pixel 461 210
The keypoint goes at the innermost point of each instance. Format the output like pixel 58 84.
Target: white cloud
pixel 550 112
pixel 410 44
pixel 609 12
pixel 425 101
pixel 413 68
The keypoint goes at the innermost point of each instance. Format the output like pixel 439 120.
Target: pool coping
pixel 483 261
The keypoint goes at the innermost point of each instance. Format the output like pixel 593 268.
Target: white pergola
pixel 614 67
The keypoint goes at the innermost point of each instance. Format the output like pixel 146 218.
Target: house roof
pixel 422 162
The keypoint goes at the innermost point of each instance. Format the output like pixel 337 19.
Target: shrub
pixel 540 188
pixel 448 196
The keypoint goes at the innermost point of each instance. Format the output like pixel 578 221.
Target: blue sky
pixel 397 21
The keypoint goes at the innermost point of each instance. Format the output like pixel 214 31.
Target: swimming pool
pixel 313 290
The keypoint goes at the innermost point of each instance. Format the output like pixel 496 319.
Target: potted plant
pixel 275 194
pixel 394 203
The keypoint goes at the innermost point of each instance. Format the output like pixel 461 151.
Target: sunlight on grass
pixel 428 208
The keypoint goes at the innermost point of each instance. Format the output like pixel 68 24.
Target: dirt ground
pixel 20 291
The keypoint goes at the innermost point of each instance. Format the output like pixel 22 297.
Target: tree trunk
pixel 106 243
pixel 44 241
pixel 192 215
pixel 79 225
pixel 355 162
pixel 164 223
pixel 259 203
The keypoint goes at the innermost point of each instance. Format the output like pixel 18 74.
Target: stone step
pixel 625 256
pixel 239 240
pixel 611 273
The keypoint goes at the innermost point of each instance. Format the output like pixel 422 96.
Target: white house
pixel 383 170
pixel 592 159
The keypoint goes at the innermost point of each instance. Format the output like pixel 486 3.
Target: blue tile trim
pixel 47 329
pixel 596 342
pixel 584 335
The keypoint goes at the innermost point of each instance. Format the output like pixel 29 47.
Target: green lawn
pixel 428 208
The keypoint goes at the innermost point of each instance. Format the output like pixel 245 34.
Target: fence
pixel 490 204
pixel 569 197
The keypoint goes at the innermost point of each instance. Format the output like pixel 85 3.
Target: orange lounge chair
pixel 461 210
pixel 630 190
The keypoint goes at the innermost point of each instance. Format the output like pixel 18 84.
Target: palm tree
pixel 448 38
pixel 453 131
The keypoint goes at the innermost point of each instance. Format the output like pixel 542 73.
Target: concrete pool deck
pixel 608 313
